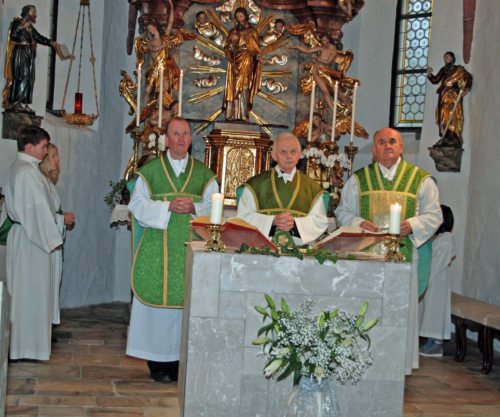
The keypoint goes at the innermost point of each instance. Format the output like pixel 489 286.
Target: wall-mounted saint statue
pixel 20 60
pixel 455 82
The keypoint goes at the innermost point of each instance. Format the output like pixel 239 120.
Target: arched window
pixel 413 31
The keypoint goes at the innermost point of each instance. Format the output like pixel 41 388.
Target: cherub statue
pixel 127 89
pixel 207 29
pixel 276 31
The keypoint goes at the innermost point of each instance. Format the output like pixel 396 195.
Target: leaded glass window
pixel 410 63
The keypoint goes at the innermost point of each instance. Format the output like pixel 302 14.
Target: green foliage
pixel 115 196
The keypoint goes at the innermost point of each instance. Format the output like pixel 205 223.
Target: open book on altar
pixel 350 239
pixel 234 232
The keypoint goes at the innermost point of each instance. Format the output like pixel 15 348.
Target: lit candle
pixel 311 111
pixel 78 103
pixel 160 98
pixel 353 113
pixel 138 105
pixel 217 208
pixel 395 219
pixel 181 81
pixel 334 118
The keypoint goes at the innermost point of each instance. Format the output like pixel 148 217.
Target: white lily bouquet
pixel 331 344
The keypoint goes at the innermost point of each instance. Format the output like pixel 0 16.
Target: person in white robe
pixel 65 221
pixel 155 332
pixel 33 238
pixel 303 214
pixel 435 305
pixel 387 151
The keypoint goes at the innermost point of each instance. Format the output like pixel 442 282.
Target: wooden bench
pixel 470 314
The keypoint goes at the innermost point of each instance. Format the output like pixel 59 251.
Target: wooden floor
pixel 89 375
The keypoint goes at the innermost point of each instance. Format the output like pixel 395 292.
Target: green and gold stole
pixel 159 256
pixel 273 196
pixel 377 193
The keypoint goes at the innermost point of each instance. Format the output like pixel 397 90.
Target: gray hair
pixel 285 135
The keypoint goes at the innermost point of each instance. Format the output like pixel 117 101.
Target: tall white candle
pixel 181 81
pixel 353 113
pixel 160 98
pixel 311 111
pixel 334 117
pixel 395 219
pixel 217 208
pixel 138 104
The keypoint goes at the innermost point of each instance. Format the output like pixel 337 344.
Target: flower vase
pixel 313 399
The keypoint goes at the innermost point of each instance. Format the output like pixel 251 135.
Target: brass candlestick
pixel 393 249
pixel 351 152
pixel 214 242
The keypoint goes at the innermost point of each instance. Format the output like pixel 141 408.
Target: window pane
pixel 409 85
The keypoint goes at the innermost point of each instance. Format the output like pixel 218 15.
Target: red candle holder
pixel 78 103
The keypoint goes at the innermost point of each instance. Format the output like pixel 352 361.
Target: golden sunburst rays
pixel 209 93
pixel 216 21
pixel 280 43
pixel 261 122
pixel 210 119
pixel 276 101
pixel 263 23
pixel 205 95
pixel 209 44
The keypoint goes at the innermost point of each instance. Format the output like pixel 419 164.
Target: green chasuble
pixel 273 196
pixel 377 193
pixel 159 256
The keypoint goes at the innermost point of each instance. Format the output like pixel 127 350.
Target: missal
pixel 234 233
pixel 350 239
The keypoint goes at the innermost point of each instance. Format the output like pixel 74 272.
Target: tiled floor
pixel 89 375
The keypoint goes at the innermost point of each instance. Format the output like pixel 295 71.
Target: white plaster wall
pixel 447 35
pixel 482 263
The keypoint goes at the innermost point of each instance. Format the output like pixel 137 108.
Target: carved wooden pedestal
pixel 236 152
pixel 13 121
pixel 446 158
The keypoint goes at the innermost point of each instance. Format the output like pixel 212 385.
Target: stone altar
pixel 220 372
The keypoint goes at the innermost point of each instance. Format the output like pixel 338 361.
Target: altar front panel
pixel 221 372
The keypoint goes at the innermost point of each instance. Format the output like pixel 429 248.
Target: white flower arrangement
pixel 161 142
pixel 332 344
pixel 341 157
pixel 312 152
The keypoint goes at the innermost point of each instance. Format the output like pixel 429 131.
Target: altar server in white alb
pixel 33 238
pixel 169 192
pixel 366 200
pixel 284 199
pixel 435 305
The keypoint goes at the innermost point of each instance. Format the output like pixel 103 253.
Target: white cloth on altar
pixel 424 224
pixel 57 255
pixel 29 260
pixel 155 333
pixel 435 306
pixel 310 226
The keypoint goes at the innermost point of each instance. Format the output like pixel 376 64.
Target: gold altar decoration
pixel 235 156
pixel 213 26
pixel 214 242
pixel 393 246
pixel 78 117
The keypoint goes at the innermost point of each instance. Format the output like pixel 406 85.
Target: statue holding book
pixel 22 40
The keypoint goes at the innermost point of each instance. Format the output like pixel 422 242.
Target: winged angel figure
pixel 328 66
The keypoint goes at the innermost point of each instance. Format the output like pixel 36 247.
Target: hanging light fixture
pixel 78 117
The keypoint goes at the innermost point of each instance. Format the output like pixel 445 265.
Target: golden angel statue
pixel 157 44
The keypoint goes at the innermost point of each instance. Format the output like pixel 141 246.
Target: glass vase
pixel 313 399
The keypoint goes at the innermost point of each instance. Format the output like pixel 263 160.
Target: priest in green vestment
pixel 366 200
pixel 169 192
pixel 283 198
